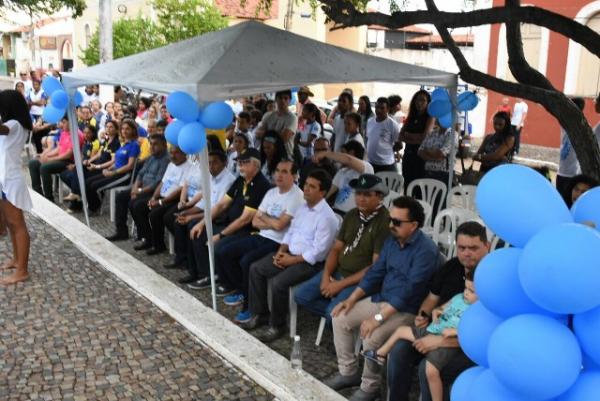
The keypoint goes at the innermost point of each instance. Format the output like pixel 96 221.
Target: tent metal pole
pixel 206 191
pixel 77 156
pixel 453 97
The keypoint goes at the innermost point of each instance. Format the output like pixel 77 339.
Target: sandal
pixel 373 356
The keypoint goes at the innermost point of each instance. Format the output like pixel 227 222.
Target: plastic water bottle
pixel 296 357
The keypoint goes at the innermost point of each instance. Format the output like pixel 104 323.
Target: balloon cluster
pixel 440 106
pixel 59 100
pixel 534 330
pixel 188 129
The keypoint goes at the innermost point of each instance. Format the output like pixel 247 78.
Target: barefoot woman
pixel 14 130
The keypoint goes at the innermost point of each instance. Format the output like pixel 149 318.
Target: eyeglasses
pixel 398 223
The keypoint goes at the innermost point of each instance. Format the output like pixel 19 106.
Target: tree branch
pixel 344 14
pixel 555 102
pixel 517 63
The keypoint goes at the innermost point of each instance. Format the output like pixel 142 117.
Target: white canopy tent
pixel 244 59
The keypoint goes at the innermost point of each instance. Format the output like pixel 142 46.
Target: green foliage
pixel 130 36
pixel 176 20
pixel 33 7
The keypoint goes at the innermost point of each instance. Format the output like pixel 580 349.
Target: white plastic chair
pixel 494 244
pixel 171 239
pixel 428 211
pixel 462 196
pixel 445 225
pixel 392 180
pixel 431 191
pixel 387 201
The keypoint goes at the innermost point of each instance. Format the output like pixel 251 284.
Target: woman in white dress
pixel 15 126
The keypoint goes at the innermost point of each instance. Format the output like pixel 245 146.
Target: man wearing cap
pixel 304 95
pixel 389 295
pixel 232 217
pixel 357 246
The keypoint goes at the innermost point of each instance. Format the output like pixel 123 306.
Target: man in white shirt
pixel 149 221
pixel 281 120
pixel 568 165
pixel 300 256
pixel 382 133
pixel 353 165
pixel 517 121
pixel 220 181
pixel 273 218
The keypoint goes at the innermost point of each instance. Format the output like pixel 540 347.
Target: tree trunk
pixel 105 31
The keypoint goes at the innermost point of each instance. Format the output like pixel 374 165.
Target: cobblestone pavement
pixel 76 332
pixel 318 361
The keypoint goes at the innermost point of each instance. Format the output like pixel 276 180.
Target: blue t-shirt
pixel 451 316
pixel 129 149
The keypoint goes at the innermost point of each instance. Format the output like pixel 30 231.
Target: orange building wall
pixel 541 128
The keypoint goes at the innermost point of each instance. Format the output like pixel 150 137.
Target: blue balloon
pixel 439 108
pixel 440 94
pixel 217 115
pixel 559 268
pixel 516 202
pixel 446 120
pixel 586 208
pixel 182 106
pixel 498 286
pixel 535 356
pixel 172 131
pixel 59 99
pixel 192 138
pixel 474 331
pixel 487 387
pixel 467 101
pixel 463 385
pixel 51 84
pixel 587 330
pixel 586 388
pixel 52 115
pixel 587 361
pixel 77 99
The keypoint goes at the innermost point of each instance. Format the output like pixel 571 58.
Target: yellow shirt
pixel 145 150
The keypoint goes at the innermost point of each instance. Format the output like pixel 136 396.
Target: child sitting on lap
pixel 445 322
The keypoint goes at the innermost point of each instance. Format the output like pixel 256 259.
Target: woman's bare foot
pixel 14 278
pixel 11 264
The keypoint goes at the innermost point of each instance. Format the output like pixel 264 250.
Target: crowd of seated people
pixel 292 208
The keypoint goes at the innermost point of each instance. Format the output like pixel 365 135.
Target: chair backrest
pixel 392 180
pixel 428 211
pixel 497 243
pixel 445 225
pixel 462 196
pixel 429 190
pixel 387 201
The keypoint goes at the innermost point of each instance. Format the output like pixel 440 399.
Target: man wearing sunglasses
pixel 389 295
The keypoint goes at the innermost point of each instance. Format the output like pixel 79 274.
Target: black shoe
pixel 272 334
pixel 155 251
pixel 176 264
pixel 187 280
pixel 118 236
pixel 255 322
pixel 339 382
pixel 200 284
pixel 142 246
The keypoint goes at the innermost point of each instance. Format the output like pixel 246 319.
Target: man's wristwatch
pixel 378 318
pixel 160 202
pixel 222 235
pixel 140 190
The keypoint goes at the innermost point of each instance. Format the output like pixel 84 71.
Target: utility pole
pixel 105 31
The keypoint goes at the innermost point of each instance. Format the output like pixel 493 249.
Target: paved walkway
pixel 75 332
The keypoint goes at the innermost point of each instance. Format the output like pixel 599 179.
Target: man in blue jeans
pixel 363 232
pixel 272 218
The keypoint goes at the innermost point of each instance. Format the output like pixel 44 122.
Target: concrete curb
pixel 263 365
